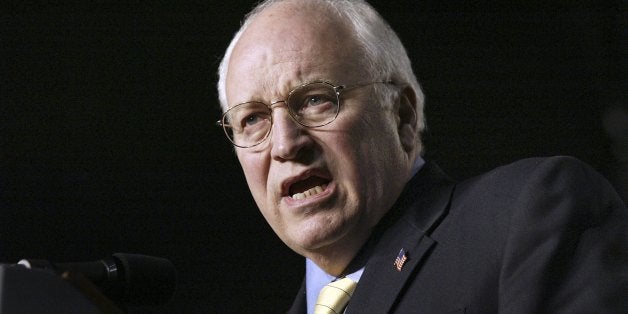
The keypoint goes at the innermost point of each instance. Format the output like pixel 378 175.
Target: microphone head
pixel 144 280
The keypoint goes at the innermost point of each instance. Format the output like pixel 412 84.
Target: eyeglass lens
pixel 312 105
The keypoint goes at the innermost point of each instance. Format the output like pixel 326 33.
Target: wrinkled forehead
pixel 287 45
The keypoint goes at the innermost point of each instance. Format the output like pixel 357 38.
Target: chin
pixel 314 239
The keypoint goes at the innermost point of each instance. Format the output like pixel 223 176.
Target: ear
pixel 407 119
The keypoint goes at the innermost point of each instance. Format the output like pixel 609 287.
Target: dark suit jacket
pixel 539 235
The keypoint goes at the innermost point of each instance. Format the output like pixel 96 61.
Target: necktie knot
pixel 334 297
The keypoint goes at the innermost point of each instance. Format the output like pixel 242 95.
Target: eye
pixel 315 104
pixel 251 119
pixel 313 100
pixel 248 116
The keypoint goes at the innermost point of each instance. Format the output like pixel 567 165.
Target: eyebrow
pixel 266 88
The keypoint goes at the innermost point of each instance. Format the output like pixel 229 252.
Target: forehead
pixel 287 45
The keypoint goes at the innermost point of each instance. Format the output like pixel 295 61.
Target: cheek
pixel 374 147
pixel 352 153
pixel 373 140
pixel 256 174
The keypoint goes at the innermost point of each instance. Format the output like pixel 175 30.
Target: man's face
pixel 352 169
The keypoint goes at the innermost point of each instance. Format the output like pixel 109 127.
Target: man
pixel 325 115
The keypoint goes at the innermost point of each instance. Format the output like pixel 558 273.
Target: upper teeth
pixel 311 192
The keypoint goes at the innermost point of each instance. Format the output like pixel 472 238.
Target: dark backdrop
pixel 108 141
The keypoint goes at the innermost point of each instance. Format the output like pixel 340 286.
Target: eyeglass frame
pixel 338 89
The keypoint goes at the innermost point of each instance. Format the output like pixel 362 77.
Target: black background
pixel 108 141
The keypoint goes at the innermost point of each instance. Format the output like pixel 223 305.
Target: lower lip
pixel 312 199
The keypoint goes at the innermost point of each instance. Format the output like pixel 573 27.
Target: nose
pixel 288 138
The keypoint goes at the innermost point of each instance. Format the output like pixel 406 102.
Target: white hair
pixel 384 56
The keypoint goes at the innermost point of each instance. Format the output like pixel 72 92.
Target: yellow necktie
pixel 334 297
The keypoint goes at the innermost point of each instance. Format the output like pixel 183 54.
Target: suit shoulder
pixel 538 172
pixel 535 180
pixel 543 185
pixel 556 165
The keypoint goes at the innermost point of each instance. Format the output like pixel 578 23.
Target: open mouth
pixel 308 187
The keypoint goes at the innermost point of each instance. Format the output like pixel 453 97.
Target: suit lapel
pixel 299 304
pixel 423 204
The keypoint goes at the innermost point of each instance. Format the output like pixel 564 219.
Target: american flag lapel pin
pixel 401 259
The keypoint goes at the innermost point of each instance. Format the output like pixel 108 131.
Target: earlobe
pixel 407 117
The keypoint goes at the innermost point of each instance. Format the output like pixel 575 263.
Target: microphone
pixel 128 279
